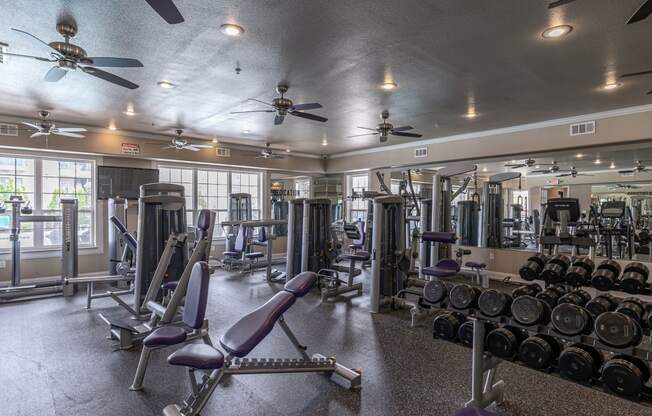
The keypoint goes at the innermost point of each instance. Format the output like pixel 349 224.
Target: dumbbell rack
pixel 485 391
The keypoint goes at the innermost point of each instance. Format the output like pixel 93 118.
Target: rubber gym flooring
pixel 56 361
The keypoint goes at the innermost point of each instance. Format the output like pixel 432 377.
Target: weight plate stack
pixel 601 304
pixel 617 330
pixel 539 351
pixel 625 375
pixel 551 295
pixel 606 275
pixel 579 274
pixel 555 269
pixel 579 362
pixel 533 267
pixel 634 279
pixel 463 296
pixel 576 297
pixel 633 308
pixel 445 326
pixel 570 319
pixel 504 342
pixel 494 303
pixel 435 291
pixel 528 310
pixel 530 289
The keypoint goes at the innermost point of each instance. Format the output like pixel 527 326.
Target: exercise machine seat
pixel 171 285
pixel 358 256
pixel 475 265
pixel 232 254
pixel 438 237
pixel 165 336
pixel 129 239
pixel 254 255
pixel 473 411
pixel 194 309
pixel 301 284
pixel 245 334
pixel 199 356
pixel 444 268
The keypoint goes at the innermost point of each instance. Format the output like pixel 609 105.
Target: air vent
pixel 421 152
pixel 3 49
pixel 8 129
pixel 579 129
pixel 223 152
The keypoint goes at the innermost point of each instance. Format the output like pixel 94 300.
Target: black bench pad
pixel 301 284
pixel 199 356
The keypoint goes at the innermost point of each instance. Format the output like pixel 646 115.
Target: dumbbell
pixel 580 362
pixel 465 331
pixel 504 342
pixel 529 310
pixel 539 351
pixel 555 269
pixel 633 308
pixel 551 295
pixel 463 296
pixel 601 304
pixel 644 236
pixel 625 375
pixel 606 275
pixel 579 274
pixel 435 291
pixel 528 289
pixel 494 303
pixel 618 330
pixel 576 297
pixel 571 319
pixel 445 325
pixel 634 278
pixel 533 267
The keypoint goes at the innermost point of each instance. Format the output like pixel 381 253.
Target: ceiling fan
pixel 573 173
pixel 554 168
pixel 268 153
pixel 68 57
pixel 181 143
pixel 638 168
pixel 167 10
pixel 46 127
pixel 624 186
pixel 641 13
pixel 384 129
pixel 283 106
pixel 527 163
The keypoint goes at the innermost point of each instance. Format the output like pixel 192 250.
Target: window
pixel 42 182
pixel 302 186
pixel 358 210
pixel 210 189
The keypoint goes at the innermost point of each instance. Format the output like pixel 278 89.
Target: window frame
pixel 354 210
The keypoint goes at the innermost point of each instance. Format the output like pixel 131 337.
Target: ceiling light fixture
pixel 611 86
pixel 324 142
pixel 287 150
pixel 112 126
pixel 612 166
pixel 555 32
pixel 389 86
pixel 230 29
pixel 597 161
pixel 471 113
pixel 484 169
pixel 166 84
pixel 245 131
pixel 129 111
pixel 579 155
pixel 215 140
pixel 537 167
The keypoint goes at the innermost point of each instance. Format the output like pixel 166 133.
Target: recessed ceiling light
pixel 611 86
pixel 245 131
pixel 612 166
pixel 537 167
pixel 597 161
pixel 579 155
pixel 166 84
pixel 129 113
pixel 324 142
pixel 484 169
pixel 215 140
pixel 230 29
pixel 112 126
pixel 288 150
pixel 388 86
pixel 557 31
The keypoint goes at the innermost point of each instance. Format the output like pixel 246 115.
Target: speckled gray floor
pixel 54 360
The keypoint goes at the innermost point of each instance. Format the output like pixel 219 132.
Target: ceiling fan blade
pixel 259 101
pixel 107 76
pixel 34 126
pixel 55 74
pixel 38 134
pixel 191 147
pixel 309 116
pixel 253 111
pixel 635 74
pixel 642 13
pixel 50 49
pixel 67 134
pixel 403 128
pixel 564 175
pixel 116 62
pixel 18 55
pixel 649 93
pixel 367 128
pixel 202 146
pixel 278 120
pixel 275 156
pixel 165 147
pixel 626 171
pixel 398 133
pixel 541 171
pixel 559 3
pixel 167 10
pixel 71 129
pixel 363 134
pixel 306 106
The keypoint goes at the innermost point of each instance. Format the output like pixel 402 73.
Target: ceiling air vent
pixel 578 129
pixel 421 152
pixel 223 152
pixel 8 129
pixel 3 49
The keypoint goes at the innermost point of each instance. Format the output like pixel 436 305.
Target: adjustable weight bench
pixel 239 340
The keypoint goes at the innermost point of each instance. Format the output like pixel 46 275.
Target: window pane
pixel 50 168
pixel 164 174
pixel 186 176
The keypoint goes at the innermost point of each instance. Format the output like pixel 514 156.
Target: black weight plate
pixel 577 364
pixel 600 305
pixel 617 330
pixel 465 333
pixel 463 296
pixel 536 352
pixel 492 302
pixel 528 310
pixel 435 291
pixel 633 308
pixel 638 268
pixel 549 296
pixel 445 326
pixel 632 282
pixel 586 263
pixel 569 319
pixel 623 377
pixel 577 276
pixel 529 289
pixel 502 343
pixel 603 279
pixel 530 271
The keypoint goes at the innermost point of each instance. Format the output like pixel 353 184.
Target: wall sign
pixel 130 149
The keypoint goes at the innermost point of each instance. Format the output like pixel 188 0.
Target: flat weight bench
pixel 239 340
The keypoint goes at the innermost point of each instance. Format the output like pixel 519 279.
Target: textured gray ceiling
pixel 443 54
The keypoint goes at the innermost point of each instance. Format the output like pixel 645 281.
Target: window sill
pixel 46 253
